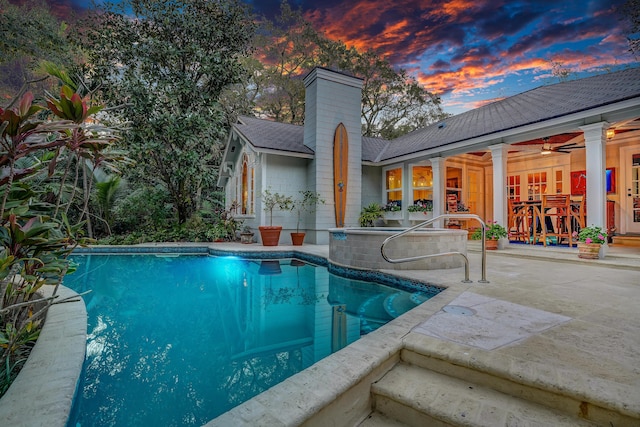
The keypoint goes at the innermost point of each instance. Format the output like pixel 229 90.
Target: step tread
pixel 377 419
pixel 459 402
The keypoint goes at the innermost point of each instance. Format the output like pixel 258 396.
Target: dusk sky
pixel 471 52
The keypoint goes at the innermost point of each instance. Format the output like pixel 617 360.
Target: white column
pixel 439 179
pixel 595 142
pixel 499 154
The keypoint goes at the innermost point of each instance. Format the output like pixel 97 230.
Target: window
pixel 247 187
pixel 536 185
pixel 454 188
pixel 393 186
pixel 558 182
pixel 422 184
pixel 513 187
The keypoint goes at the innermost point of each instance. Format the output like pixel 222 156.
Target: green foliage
pixel 30 34
pixel 369 214
pixel 421 206
pixel 145 208
pixel 272 201
pixel 592 234
pixel 168 62
pixel 494 231
pixel 306 202
pixel 34 241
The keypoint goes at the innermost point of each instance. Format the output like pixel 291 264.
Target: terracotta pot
pixel 589 250
pixel 297 238
pixel 491 244
pixel 270 235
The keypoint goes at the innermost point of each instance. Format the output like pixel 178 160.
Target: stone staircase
pixel 425 391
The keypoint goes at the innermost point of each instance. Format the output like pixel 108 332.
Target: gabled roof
pixel 372 147
pixel 534 106
pixel 267 134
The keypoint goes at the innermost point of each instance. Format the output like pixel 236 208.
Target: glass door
pixel 630 197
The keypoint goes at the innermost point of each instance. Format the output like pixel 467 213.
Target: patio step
pixel 414 396
pixel 626 240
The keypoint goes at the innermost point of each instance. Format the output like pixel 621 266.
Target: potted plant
pixel 370 214
pixel 493 232
pixel 307 202
pixel 393 210
pixel 590 241
pixel 270 234
pixel 421 210
pixel 246 235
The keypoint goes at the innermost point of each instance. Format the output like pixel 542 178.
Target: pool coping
pixel 51 375
pixel 42 393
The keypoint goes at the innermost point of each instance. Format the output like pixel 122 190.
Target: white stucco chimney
pixel 332 98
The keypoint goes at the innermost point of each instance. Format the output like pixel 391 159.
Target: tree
pixel 393 103
pixel 630 11
pixel 168 62
pixel 30 34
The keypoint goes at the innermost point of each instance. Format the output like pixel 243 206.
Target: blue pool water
pixel 179 340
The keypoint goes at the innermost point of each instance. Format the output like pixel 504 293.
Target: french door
pixel 630 189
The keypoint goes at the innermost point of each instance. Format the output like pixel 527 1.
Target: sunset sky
pixel 471 52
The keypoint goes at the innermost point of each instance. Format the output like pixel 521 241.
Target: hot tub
pixel 360 248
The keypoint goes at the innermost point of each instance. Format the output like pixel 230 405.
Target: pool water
pixel 179 340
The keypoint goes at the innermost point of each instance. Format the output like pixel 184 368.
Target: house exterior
pixel 579 137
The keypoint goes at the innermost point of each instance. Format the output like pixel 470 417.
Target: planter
pixel 270 235
pixel 246 238
pixel 297 238
pixel 393 215
pixel 420 216
pixel 491 244
pixel 589 250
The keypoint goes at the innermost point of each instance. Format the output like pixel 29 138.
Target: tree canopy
pixel 167 62
pixel 393 103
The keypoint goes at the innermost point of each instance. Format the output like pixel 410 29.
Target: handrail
pixel 430 221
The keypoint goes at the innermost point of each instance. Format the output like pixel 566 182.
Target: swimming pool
pixel 178 340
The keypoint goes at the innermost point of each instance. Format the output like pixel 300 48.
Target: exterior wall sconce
pixel 611 133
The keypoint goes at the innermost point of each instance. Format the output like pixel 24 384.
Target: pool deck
pixel 566 330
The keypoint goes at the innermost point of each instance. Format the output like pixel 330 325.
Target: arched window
pixel 246 189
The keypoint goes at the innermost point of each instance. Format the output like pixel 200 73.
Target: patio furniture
pixel 555 213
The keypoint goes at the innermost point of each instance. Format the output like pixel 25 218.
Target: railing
pixel 430 221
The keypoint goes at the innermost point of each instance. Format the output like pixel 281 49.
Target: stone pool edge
pixel 43 392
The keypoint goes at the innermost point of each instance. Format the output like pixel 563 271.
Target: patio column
pixel 439 179
pixel 595 143
pixel 499 154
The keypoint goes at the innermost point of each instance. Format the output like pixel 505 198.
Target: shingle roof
pixel 536 105
pixel 372 147
pixel 273 135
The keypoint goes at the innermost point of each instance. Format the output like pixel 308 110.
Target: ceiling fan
pixel 562 143
pixel 547 148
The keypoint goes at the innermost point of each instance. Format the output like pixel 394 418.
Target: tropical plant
pixel 591 234
pixel 369 214
pixel 272 201
pixel 307 202
pixel 34 242
pixel 493 231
